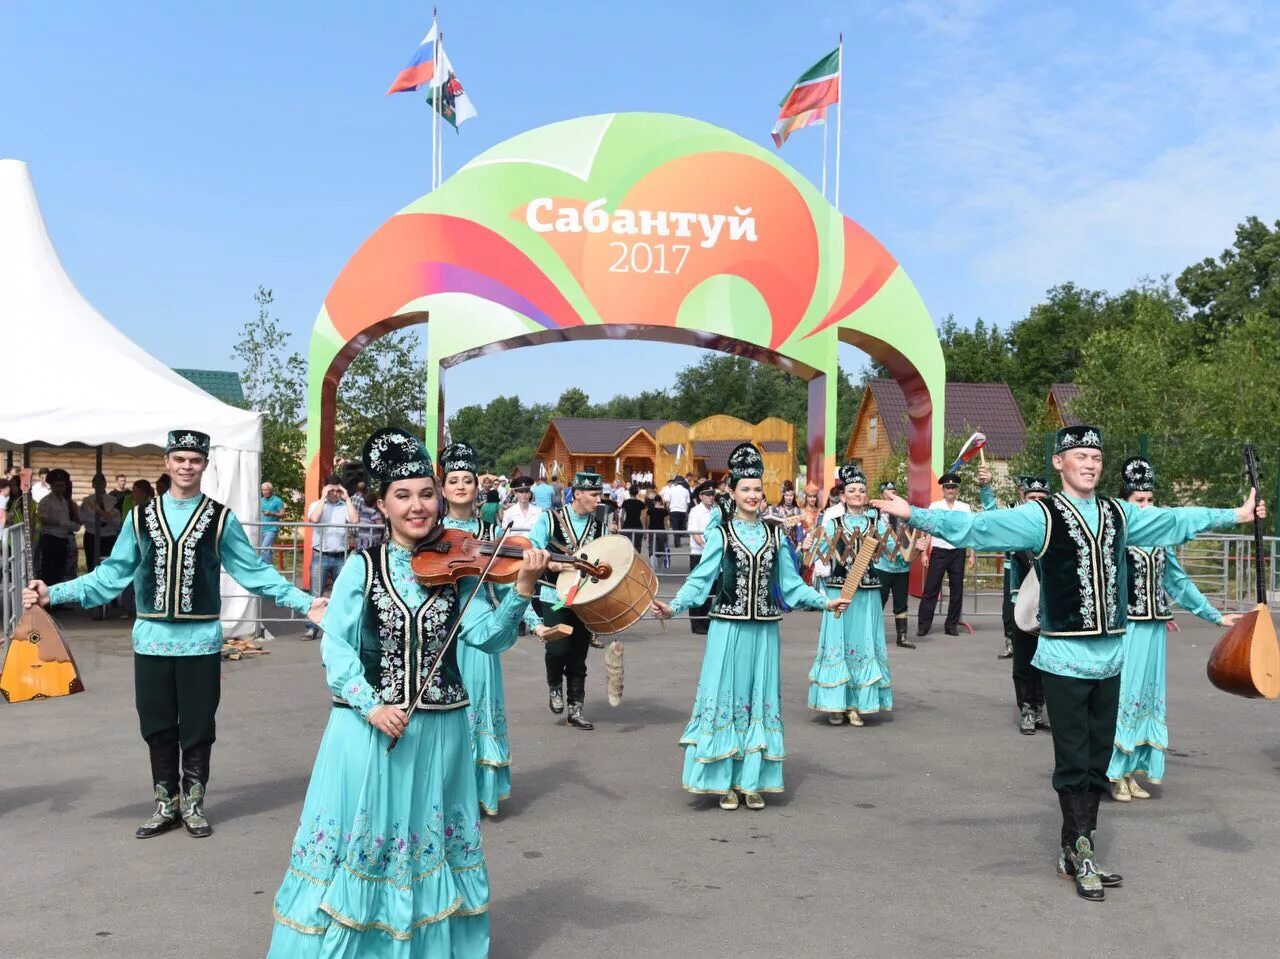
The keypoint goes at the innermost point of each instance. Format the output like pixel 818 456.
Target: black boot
pixel 1077 859
pixel 195 777
pixel 1109 879
pixel 1027 725
pixel 901 625
pixel 555 701
pixel 1008 649
pixel 577 693
pixel 1042 718
pixel 164 774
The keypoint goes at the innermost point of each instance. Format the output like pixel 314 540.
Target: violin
pixel 446 556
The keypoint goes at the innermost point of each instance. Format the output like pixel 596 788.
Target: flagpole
pixel 839 113
pixel 824 158
pixel 440 119
pixel 435 62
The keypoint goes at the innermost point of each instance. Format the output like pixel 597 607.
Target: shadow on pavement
pixel 61 797
pixel 553 911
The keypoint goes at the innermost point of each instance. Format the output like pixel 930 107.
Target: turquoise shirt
pixel 858 521
pixel 796 593
pixel 883 563
pixel 1023 527
pixel 482 626
pixel 273 504
pixel 200 637
pixel 540 536
pixel 543 494
pixel 1184 592
pixel 500 590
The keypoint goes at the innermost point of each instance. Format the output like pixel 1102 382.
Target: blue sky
pixel 185 153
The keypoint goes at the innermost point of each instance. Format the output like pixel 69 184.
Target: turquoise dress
pixel 1141 733
pixel 1023 527
pixel 734 737
pixel 851 668
pixel 487 709
pixel 388 862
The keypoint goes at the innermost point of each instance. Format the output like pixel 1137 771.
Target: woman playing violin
pixel 388 855
pixel 481 671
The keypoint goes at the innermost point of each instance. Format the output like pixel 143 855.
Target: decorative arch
pixel 634 226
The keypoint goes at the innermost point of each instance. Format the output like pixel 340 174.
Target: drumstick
pixel 982 457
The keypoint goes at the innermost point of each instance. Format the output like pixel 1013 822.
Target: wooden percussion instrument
pixel 868 546
pixel 1246 660
pixel 609 604
pixel 39 664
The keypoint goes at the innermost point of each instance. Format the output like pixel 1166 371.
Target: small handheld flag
pixel 971 448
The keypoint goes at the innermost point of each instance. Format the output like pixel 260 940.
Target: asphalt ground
pixel 929 832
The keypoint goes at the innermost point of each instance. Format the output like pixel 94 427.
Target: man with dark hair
pixel 172 550
pixel 1080 542
pixel 939 559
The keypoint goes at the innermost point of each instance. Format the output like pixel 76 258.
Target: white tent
pixel 131 401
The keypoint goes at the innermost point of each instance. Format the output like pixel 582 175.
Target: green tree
pixel 1243 281
pixel 574 402
pixel 386 385
pixel 1048 343
pixel 274 379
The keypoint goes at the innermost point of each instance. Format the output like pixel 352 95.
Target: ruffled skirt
pixel 387 862
pixel 734 736
pixel 1141 733
pixel 487 712
pixel 851 669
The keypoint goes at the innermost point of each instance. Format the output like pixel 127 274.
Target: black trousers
pixel 1083 715
pixel 52 555
pixel 895 584
pixel 566 659
pixel 951 563
pixel 1028 681
pixel 177 697
pixel 679 521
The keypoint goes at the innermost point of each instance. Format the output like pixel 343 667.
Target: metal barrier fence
pixel 12 576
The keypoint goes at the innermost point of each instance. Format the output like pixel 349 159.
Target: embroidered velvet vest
pixel 745 589
pixel 1083 577
pixel 845 551
pixel 178 575
pixel 400 645
pixel 1147 598
pixel 564 538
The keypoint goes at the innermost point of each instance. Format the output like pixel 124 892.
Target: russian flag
pixel 970 449
pixel 421 70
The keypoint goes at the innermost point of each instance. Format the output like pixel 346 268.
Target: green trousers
pixel 1083 715
pixel 177 697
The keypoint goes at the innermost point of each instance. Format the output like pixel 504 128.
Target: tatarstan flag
pixel 785 127
pixel 817 88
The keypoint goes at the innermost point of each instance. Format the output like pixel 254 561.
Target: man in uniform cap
pixel 942 558
pixel 172 550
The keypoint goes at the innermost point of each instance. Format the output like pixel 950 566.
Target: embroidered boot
pixel 835 719
pixel 164 774
pixel 901 625
pixel 578 693
pixel 1008 649
pixel 164 818
pixel 1027 725
pixel 855 719
pixel 1108 878
pixel 753 800
pixel 195 776
pixel 556 700
pixel 1042 718
pixel 1088 882
pixel 1136 790
pixel 729 800
pixel 1120 790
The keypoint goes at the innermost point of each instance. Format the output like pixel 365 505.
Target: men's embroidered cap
pixel 394 454
pixel 1139 475
pixel 889 487
pixel 745 462
pixel 851 473
pixel 458 458
pixel 1032 484
pixel 588 482
pixel 949 480
pixel 187 441
pixel 1078 438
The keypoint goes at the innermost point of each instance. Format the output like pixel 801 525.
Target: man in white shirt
pixel 939 557
pixel 677 496
pixel 40 488
pixel 699 518
pixel 334 512
pixel 619 493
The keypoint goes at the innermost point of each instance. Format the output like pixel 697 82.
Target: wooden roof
pixel 986 407
pixel 583 435
pixel 1062 394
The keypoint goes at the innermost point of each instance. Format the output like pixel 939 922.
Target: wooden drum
pixel 609 606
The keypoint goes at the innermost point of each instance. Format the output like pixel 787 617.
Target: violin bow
pixel 426 683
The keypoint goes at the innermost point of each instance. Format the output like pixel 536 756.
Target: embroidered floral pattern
pixel 1147 596
pixel 753 572
pixel 186 589
pixel 1088 601
pixel 1110 570
pixel 400 854
pixel 160 551
pixel 716 713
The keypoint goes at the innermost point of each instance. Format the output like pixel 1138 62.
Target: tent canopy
pixel 134 399
pixel 131 401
